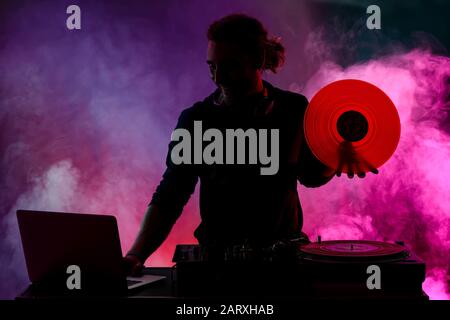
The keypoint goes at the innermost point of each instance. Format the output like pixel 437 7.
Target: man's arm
pixel 173 192
pixel 312 172
pixel 155 228
pixel 166 206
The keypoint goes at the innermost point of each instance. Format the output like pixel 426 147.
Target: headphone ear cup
pixel 263 60
pixel 259 64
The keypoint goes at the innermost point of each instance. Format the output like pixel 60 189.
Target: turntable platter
pixel 353 250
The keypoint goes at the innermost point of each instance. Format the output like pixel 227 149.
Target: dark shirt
pixel 237 203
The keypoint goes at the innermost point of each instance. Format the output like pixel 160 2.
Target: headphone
pixel 263 62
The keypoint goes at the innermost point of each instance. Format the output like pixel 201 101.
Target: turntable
pixel 320 270
pixel 343 267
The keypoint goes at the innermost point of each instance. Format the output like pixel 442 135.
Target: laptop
pixel 55 242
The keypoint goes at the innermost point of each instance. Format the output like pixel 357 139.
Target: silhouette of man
pixel 237 203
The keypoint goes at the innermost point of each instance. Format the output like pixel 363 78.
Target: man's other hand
pixel 133 266
pixel 353 162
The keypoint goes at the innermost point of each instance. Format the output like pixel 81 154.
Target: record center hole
pixel 352 126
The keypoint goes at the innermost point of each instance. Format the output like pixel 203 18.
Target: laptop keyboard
pixel 131 282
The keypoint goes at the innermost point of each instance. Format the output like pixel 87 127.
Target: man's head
pixel 239 50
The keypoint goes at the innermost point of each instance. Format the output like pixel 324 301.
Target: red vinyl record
pixel 352 126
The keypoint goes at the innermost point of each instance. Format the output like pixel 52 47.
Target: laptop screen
pixel 53 241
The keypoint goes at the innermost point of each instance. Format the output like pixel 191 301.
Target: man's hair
pixel 249 34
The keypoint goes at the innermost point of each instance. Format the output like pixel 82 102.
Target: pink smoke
pixel 408 200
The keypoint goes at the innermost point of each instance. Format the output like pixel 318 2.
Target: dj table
pixel 323 270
